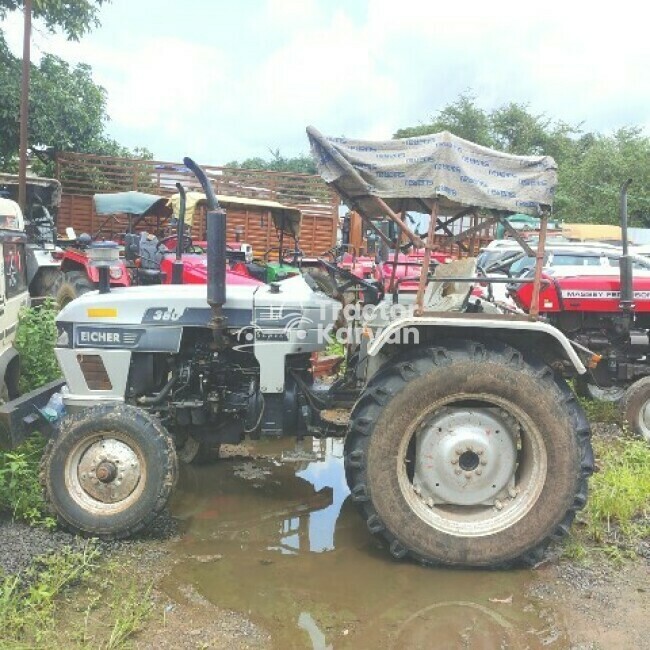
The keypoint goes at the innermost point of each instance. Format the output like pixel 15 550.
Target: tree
pixel 302 164
pixel 463 118
pixel 73 17
pixel 591 166
pixel 67 109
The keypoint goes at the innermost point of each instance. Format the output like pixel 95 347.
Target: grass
pixel 20 490
pixel 72 599
pixel 619 498
pixel 27 602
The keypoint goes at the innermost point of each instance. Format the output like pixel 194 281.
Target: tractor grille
pixel 94 372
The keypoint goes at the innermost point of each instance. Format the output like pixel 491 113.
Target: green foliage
pixel 73 17
pixel 591 166
pixel 620 491
pixel 67 111
pixel 463 118
pixel 27 603
pixel 278 163
pixel 20 490
pixel 35 340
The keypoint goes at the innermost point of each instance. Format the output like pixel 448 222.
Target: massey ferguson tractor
pixel 464 446
pixel 609 313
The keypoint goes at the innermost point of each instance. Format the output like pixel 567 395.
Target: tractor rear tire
pixel 635 408
pixel 48 282
pixel 447 399
pixel 74 284
pixel 109 472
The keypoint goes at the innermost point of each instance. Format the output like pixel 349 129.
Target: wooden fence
pixel 83 175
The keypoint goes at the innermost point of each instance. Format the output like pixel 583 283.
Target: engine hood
pixel 159 304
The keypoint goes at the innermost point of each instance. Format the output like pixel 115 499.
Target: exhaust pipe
pixel 177 265
pixel 216 220
pixel 625 264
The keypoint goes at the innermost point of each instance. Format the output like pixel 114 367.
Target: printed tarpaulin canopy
pixel 409 174
pixel 130 203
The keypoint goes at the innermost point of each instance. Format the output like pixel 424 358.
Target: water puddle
pixel 282 543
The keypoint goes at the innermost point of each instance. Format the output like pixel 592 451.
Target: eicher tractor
pixel 610 314
pixel 463 443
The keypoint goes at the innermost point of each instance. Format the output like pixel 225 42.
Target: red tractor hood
pixel 588 293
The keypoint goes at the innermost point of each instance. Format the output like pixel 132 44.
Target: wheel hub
pixel 109 470
pixel 466 456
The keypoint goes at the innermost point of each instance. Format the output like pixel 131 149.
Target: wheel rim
pixel 105 473
pixel 609 394
pixel 472 465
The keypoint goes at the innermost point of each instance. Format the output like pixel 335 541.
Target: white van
pixel 14 292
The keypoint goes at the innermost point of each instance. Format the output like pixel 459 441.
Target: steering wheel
pixel 351 280
pixel 187 242
pixel 338 250
pixel 295 255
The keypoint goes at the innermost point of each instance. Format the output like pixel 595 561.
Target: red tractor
pixel 607 311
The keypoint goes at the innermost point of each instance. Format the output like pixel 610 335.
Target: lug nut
pixel 513 492
pixel 458 471
pixel 484 462
pixel 468 474
pixel 498 505
pixel 479 472
pixel 454 461
pixel 430 503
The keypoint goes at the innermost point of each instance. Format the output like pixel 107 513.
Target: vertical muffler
pixel 177 265
pixel 625 264
pixel 216 236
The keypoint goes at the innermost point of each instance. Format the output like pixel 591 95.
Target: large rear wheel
pixel 468 454
pixel 73 285
pixel 110 471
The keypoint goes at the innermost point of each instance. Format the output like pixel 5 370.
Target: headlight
pixel 116 272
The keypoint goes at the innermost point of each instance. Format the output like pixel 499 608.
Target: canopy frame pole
pixel 398 241
pixel 516 236
pixel 539 265
pixel 424 271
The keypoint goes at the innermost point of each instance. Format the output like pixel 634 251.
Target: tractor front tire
pixel 109 471
pixel 74 284
pixel 635 408
pixel 468 454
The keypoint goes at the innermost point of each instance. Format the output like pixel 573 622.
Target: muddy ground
pixel 262 552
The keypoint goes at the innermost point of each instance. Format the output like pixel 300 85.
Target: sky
pixel 222 80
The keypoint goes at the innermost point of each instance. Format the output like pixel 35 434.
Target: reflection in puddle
pixel 296 557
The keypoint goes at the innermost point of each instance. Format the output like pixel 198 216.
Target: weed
pixel 27 602
pixel 131 612
pixel 20 490
pixel 35 340
pixel 620 492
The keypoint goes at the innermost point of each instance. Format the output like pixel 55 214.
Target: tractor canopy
pixel 42 191
pixel 136 203
pixel 285 218
pixel 412 173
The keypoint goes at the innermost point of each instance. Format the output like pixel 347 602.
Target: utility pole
pixel 24 107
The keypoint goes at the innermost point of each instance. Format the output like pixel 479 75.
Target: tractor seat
pixel 450 296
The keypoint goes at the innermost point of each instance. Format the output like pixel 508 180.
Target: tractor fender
pixel 472 324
